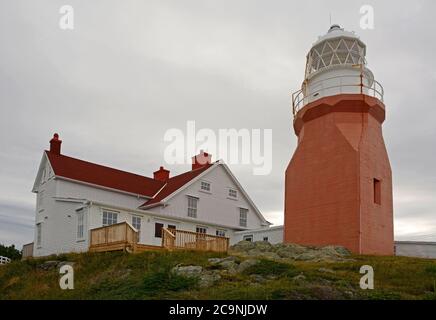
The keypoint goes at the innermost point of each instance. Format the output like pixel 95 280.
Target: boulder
pixel 48 265
pixel 214 261
pixel 263 246
pixel 257 278
pixel 244 265
pixel 282 251
pixel 229 265
pixel 299 279
pixel 243 246
pixel 187 271
pixel 290 251
pixel 209 278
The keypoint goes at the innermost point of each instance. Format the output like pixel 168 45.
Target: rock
pixel 244 265
pixel 307 256
pixel 214 261
pixel 263 246
pixel 263 249
pixel 343 251
pixel 208 279
pixel 290 251
pixel 257 278
pixel 299 279
pixel 48 265
pixel 229 265
pixel 325 270
pixel 187 271
pixel 243 246
pixel 232 258
pixel 269 255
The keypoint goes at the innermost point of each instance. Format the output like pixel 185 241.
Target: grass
pixel 148 276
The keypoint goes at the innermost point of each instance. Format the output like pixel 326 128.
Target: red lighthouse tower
pixel 338 188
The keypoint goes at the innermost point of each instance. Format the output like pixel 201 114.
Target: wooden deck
pixel 123 237
pixel 187 240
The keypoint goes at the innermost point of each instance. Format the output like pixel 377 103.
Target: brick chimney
pixel 161 175
pixel 201 160
pixel 55 144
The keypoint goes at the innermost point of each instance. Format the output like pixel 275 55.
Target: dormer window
pixel 205 186
pixel 233 193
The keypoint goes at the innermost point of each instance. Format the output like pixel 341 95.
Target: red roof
pixel 92 173
pixel 175 183
pixel 96 174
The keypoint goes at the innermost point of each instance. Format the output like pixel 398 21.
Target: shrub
pixel 164 280
pixel 271 268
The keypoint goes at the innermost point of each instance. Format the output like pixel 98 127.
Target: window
pixel 192 207
pixel 248 238
pixel 233 193
pixel 80 223
pixel 171 227
pixel 265 239
pixel 158 230
pixel 109 218
pixel 38 234
pixel 40 199
pixel 201 233
pixel 205 186
pixel 221 233
pixel 136 223
pixel 243 213
pixel 377 191
pixel 202 230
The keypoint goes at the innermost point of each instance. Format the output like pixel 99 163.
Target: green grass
pixel 148 276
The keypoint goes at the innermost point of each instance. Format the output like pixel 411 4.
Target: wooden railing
pixel 180 239
pixel 27 251
pixel 120 236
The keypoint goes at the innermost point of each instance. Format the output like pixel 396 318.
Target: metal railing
pixel 4 260
pixel 301 98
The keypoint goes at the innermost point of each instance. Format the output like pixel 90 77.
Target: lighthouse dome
pixel 336 64
pixel 336 48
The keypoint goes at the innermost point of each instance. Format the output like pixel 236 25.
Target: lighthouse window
pixel 377 191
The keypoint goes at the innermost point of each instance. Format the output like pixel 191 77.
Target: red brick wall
pixel 329 198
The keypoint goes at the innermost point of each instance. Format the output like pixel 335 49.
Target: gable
pixel 41 175
pixel 220 180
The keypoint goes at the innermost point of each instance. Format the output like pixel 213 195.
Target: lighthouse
pixel 338 184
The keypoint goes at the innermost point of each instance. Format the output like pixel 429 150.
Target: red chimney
pixel 55 144
pixel 161 175
pixel 201 160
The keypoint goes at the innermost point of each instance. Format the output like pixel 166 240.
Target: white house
pixel 75 196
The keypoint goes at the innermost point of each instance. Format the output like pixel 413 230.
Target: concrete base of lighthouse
pixel 338 188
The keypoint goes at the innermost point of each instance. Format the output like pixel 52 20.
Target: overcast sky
pixel 131 70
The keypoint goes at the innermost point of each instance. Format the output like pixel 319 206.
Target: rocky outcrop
pixel 293 252
pixel 205 278
pixel 53 264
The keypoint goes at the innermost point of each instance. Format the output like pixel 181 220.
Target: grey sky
pixel 133 69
